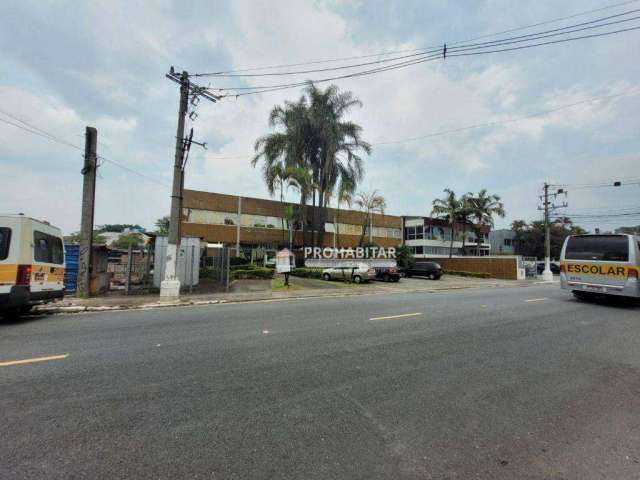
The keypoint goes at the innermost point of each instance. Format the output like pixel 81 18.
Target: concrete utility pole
pixel 547 206
pixel 88 200
pixel 170 286
pixel 547 275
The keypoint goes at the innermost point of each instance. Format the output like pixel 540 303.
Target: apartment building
pixel 431 237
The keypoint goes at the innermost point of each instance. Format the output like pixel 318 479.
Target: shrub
pixel 307 272
pixel 252 273
pixel 238 261
pixel 468 274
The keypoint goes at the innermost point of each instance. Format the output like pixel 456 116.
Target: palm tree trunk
pixel 453 231
pixel 464 235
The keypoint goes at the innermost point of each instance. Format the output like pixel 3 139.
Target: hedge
pixel 468 274
pixel 252 273
pixel 307 272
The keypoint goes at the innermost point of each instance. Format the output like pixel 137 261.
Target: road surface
pixel 514 383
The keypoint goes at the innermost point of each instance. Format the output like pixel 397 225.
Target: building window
pixel 229 221
pixel 508 242
pixel 418 251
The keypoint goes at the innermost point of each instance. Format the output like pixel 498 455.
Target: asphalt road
pixel 518 383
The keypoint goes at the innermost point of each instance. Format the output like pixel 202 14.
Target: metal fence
pixel 215 265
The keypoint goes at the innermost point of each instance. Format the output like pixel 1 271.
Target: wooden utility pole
pixel 88 200
pixel 170 286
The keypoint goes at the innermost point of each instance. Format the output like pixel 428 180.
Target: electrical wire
pixel 272 88
pixel 506 41
pixel 394 52
pixel 44 134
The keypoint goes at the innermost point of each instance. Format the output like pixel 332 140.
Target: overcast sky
pixel 65 65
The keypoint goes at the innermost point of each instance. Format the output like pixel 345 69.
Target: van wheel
pixel 386 277
pixel 326 276
pixel 584 296
pixel 357 279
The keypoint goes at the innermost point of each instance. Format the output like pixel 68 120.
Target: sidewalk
pixel 261 290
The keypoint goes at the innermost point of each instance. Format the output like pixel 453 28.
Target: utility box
pixel 188 268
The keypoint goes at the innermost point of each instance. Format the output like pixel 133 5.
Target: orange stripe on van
pixel 8 273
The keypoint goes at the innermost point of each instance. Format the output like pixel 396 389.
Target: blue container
pixel 71 259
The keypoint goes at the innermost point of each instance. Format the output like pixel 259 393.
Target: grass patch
pixel 277 284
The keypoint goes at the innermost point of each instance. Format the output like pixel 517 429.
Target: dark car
pixel 387 274
pixel 553 266
pixel 431 270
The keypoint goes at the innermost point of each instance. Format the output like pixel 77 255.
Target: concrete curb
pixel 51 309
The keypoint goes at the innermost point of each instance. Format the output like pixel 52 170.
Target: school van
pixel 31 263
pixel 601 265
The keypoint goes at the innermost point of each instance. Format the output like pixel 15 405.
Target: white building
pixel 431 237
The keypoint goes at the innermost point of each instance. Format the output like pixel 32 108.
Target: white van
pixel 31 263
pixel 601 265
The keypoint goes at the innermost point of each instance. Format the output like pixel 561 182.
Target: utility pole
pixel 88 200
pixel 170 285
pixel 548 207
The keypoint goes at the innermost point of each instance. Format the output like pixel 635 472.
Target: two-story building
pixel 431 237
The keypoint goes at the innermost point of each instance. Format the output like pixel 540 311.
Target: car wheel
pixel 386 277
pixel 357 279
pixel 396 279
pixel 432 276
pixel 326 276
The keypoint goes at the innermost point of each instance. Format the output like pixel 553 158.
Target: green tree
pixel 75 237
pixel 404 257
pixel 448 207
pixel 162 225
pixel 483 207
pixel 530 237
pixel 118 227
pixel 133 239
pixel 369 203
pixel 312 135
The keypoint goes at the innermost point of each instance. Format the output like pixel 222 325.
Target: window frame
pixel 51 242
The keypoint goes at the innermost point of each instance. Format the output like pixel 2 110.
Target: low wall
pixel 503 267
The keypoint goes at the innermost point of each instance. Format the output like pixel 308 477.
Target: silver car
pixel 359 274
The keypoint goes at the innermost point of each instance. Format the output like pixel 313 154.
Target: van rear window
pixel 47 248
pixel 5 240
pixel 613 248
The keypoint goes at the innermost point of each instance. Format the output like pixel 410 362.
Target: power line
pixel 27 127
pixel 394 52
pixel 505 41
pixel 272 88
pixel 486 124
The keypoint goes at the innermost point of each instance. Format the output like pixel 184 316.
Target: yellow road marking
pixel 390 317
pixel 33 360
pixel 536 300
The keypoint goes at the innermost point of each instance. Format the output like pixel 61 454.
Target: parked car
pixel 387 274
pixel 553 266
pixel 430 270
pixel 359 274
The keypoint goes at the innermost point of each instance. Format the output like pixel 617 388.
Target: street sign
pixel 283 261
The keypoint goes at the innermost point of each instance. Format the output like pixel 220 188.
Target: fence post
pixel 227 270
pixel 193 253
pixel 128 272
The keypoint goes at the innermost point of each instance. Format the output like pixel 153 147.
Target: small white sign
pixel 283 261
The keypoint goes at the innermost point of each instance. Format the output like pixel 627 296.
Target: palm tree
pixel 345 195
pixel 448 207
pixel 483 208
pixel 314 136
pixel 369 203
pixel 464 215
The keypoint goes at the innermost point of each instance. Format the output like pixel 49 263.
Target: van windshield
pixel 613 248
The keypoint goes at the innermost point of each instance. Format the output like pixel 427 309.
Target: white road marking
pixel 536 300
pixel 33 360
pixel 392 317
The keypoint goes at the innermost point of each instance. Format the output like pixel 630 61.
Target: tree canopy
pixel 530 237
